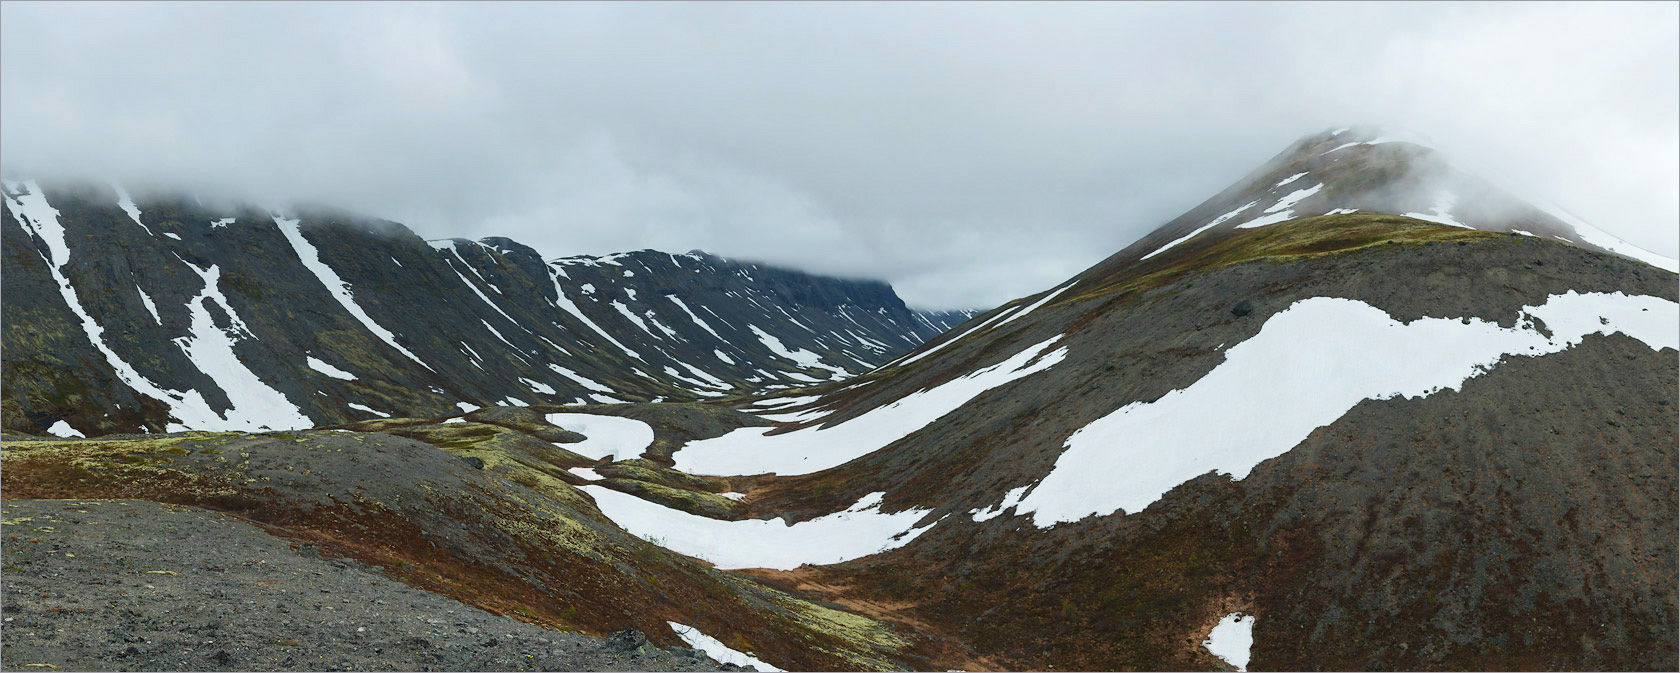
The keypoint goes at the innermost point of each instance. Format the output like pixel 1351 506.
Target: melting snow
pixel 723 356
pixel 63 429
pixel 859 531
pixel 1231 639
pixel 368 409
pixel 1308 366
pixel 697 320
pixel 605 436
pixel 254 405
pixel 580 379
pixel 750 451
pixel 35 215
pixel 586 473
pixel 632 316
pixel 1216 222
pixel 717 650
pixel 566 304
pixel 804 357
pixel 1603 239
pixel 733 495
pixel 339 289
pixel 215 224
pixel 127 204
pixel 537 386
pixel 1010 499
pixel 328 369
pixel 1290 179
pixel 1280 210
pixel 1035 306
pixel 146 300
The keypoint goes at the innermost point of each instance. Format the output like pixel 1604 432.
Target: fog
pixel 966 153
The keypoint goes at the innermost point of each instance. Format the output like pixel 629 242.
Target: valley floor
pixel 135 585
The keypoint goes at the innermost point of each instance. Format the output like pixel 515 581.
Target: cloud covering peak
pixel 967 153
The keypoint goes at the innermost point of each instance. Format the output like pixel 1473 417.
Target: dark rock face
pixel 323 310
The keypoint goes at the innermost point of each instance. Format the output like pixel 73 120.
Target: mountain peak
pixel 1374 169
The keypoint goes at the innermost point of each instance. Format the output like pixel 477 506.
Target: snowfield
pixel 621 438
pixel 858 531
pixel 1309 365
pixel 807 450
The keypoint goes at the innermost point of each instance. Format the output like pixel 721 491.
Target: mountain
pixel 1333 430
pixel 1367 422
pixel 161 313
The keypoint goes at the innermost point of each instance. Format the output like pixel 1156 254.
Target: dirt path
pixel 133 585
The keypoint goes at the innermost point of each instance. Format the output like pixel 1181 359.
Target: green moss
pixel 641 469
pixel 1296 239
pixel 694 502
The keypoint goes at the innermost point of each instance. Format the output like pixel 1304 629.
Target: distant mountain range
pixel 126 313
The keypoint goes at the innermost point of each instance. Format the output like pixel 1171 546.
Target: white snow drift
pixel 1231 639
pixel 1308 366
pixel 718 651
pixel 605 436
pixel 807 450
pixel 859 531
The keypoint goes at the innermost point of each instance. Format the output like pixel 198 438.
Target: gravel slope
pixel 134 585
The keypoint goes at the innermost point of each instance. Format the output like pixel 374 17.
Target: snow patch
pixel 1309 365
pixel 371 410
pixel 859 531
pixel 537 386
pixel 717 650
pixel 125 202
pixel 253 404
pixel 146 300
pixel 804 357
pixel 63 429
pixel 580 379
pixel 340 290
pixel 807 450
pixel 328 369
pixel 1010 499
pixel 605 436
pixel 679 302
pixel 1216 222
pixel 1231 639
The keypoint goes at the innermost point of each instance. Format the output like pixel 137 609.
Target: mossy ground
pixel 515 538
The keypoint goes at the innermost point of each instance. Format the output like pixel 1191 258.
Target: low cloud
pixel 967 153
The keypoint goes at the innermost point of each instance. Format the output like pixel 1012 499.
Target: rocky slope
pixel 134 585
pixel 1375 440
pixel 1361 438
pixel 125 313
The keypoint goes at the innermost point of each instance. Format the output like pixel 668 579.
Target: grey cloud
pixel 968 153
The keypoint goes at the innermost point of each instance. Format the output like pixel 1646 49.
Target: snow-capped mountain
pixel 125 312
pixel 1362 408
pixel 1373 170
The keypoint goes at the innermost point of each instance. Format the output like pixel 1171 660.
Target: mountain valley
pixel 1360 410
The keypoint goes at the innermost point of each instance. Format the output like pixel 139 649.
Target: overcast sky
pixel 967 153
